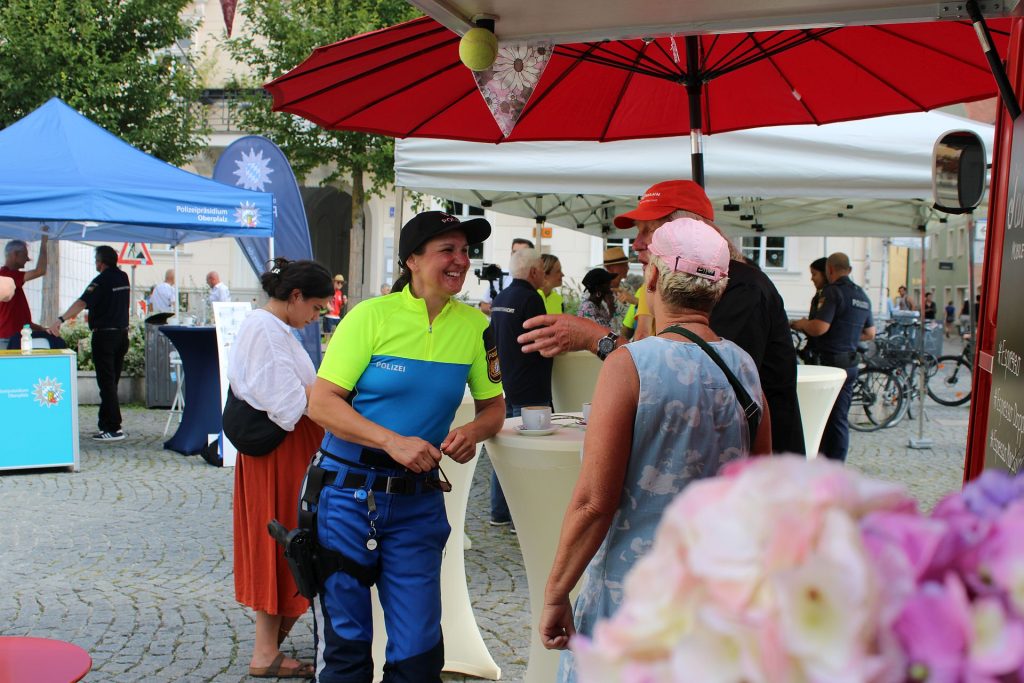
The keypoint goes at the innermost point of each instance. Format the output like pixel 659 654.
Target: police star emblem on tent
pixel 247 215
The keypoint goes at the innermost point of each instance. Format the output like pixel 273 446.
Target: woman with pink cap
pixel 664 414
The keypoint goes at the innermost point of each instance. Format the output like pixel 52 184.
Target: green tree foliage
pixel 115 61
pixel 282 33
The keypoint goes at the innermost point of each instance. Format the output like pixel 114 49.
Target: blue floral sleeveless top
pixel 688 424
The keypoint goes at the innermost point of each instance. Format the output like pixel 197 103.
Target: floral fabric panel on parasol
pixel 788 570
pixel 507 86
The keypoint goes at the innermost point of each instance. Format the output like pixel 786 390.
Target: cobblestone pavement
pixel 131 557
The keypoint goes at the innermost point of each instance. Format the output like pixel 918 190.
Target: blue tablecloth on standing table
pixel 197 347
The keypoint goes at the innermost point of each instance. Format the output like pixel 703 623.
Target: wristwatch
pixel 606 345
pixel 61 318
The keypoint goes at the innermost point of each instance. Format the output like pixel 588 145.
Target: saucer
pixel 537 432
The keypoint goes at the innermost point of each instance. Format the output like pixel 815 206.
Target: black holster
pixel 310 563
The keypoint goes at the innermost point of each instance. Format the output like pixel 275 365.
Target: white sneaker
pixel 108 436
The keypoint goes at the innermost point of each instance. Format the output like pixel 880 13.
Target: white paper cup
pixel 536 417
pixel 586 412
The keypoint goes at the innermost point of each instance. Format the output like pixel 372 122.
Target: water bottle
pixel 26 339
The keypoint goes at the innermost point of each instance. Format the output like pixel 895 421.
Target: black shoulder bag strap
pixel 751 410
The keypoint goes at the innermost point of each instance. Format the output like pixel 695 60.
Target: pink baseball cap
pixel 691 246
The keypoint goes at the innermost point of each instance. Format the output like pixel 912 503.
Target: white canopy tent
pixel 869 178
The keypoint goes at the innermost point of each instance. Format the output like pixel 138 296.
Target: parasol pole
pixel 694 89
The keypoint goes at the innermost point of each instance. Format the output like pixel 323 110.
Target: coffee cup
pixel 586 412
pixel 536 417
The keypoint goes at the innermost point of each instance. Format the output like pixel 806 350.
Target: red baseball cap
pixel 663 198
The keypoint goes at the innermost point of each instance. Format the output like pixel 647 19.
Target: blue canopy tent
pixel 59 168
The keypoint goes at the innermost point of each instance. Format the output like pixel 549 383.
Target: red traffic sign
pixel 135 254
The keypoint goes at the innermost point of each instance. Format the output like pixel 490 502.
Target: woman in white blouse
pixel 270 370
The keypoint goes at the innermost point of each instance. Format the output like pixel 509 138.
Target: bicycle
pixel 878 400
pixel 950 385
pixel 888 382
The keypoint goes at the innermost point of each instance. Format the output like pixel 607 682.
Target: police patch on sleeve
pixel 493 368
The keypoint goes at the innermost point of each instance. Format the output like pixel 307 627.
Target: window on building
pixel 950 240
pixel 961 242
pixel 624 242
pixel 767 252
pixel 460 209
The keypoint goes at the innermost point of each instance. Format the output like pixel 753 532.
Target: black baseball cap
pixel 423 226
pixel 597 277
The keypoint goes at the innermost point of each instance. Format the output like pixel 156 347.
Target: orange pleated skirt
pixel 267 487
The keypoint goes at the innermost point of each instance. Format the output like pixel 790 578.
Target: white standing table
pixel 817 387
pixel 537 474
pixel 464 648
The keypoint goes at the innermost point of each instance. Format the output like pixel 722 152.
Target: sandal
pixel 275 670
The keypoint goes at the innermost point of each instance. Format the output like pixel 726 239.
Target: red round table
pixel 41 660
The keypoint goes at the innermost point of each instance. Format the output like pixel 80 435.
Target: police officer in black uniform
pixel 842 320
pixel 526 377
pixel 809 353
pixel 107 298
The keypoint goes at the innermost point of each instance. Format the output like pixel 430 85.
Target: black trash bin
pixel 160 387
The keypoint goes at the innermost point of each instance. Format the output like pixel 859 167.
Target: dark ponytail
pixel 309 277
pixel 403 281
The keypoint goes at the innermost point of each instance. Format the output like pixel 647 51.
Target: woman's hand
pixel 459 445
pixel 413 453
pixel 556 625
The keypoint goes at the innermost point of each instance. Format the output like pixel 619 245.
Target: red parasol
pixel 407 80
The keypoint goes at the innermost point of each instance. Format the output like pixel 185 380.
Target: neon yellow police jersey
pixel 408 374
pixel 552 302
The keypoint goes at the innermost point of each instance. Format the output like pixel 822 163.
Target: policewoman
pixel 393 376
pixel 842 320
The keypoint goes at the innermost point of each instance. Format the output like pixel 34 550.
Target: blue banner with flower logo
pixel 255 163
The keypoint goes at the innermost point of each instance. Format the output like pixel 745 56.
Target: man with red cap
pixel 750 313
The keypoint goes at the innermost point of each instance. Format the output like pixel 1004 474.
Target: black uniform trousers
pixel 109 347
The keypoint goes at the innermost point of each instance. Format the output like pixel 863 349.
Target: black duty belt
pixel 403 485
pixel 368 457
pixel 838 360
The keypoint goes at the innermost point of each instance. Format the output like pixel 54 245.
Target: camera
pixel 489 272
pixel 492 273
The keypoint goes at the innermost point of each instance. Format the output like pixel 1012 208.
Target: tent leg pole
pixel 177 298
pixel 972 314
pixel 399 220
pixel 921 443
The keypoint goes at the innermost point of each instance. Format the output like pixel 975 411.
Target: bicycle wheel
pixel 951 383
pixel 877 400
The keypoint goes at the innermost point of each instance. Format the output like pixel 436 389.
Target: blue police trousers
pixel 411 533
pixel 835 441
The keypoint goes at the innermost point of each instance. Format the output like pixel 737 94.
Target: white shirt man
pixel 162 298
pixel 218 290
